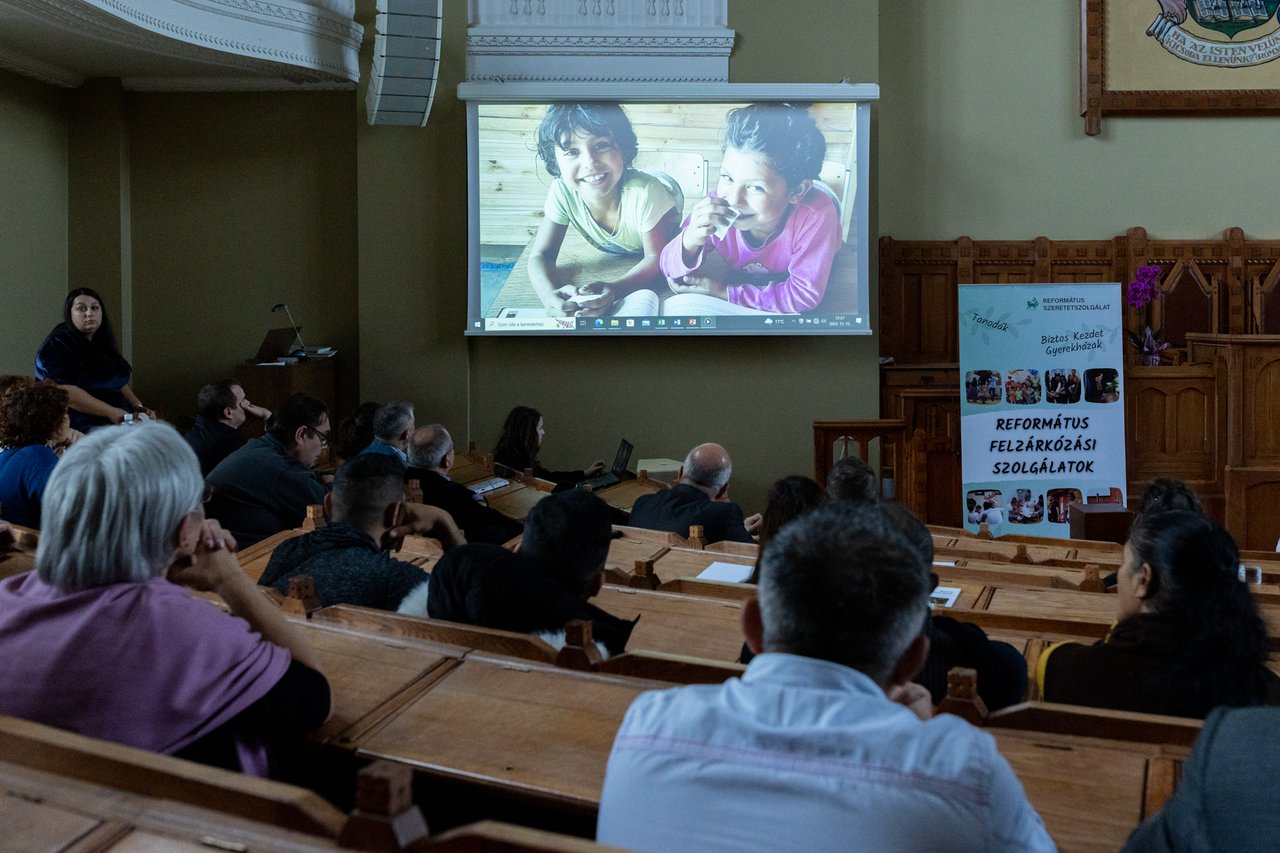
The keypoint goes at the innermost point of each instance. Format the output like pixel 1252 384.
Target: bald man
pixel 700 496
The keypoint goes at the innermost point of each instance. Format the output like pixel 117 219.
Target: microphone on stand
pixel 301 352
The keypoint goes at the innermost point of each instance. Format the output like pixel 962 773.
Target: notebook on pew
pixel 618 473
pixel 488 485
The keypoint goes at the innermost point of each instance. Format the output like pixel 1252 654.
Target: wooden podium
pixel 271 384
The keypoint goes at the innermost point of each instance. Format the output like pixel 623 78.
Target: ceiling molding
pixel 639 40
pixel 289 41
pixel 45 72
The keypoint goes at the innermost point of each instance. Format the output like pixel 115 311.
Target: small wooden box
pixel 1100 522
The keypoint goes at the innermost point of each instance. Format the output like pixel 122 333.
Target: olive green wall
pixel 239 201
pixel 980 134
pixel 33 216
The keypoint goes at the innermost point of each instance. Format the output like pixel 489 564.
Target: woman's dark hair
pixel 593 119
pixel 519 440
pixel 31 414
pixel 355 432
pixel 787 500
pixel 1165 494
pixel 105 337
pixel 1195 587
pixel 785 135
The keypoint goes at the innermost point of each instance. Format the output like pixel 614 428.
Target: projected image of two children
pixel 632 225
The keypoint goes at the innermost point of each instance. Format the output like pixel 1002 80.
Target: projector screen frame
pixel 861 95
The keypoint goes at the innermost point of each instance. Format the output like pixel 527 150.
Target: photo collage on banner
pixel 1041 403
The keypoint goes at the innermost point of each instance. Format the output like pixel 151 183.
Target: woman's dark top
pixel 69 358
pixel 298 703
pixel 24 473
pixel 1136 668
pixel 505 459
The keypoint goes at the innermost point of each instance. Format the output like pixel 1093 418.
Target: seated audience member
pixel 349 558
pixel 267 485
pixel 354 433
pixel 392 426
pixel 786 500
pixel 852 479
pixel 1188 636
pixel 1002 670
pixel 1226 797
pixel 34 431
pixel 517 450
pixel 824 744
pixel 221 409
pixel 545 585
pixel 1162 495
pixel 700 496
pixel 431 457
pixel 1166 493
pixel 104 637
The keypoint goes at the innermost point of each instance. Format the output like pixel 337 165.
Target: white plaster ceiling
pixel 183 44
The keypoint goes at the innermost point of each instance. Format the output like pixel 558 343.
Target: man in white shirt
pixel 824 743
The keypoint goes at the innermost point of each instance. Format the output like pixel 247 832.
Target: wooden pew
pixel 544 735
pixel 466 637
pixel 750 550
pixel 656 666
pixel 689 562
pixel 23 556
pixel 1090 792
pixel 515 500
pixel 59 814
pixel 372 676
pixel 622 496
pixel 532 730
pixel 472 466
pixel 148 775
pixel 1063 611
pixel 677 624
pixel 495 837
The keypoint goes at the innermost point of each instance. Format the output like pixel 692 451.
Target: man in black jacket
pixel 700 496
pixel 560 565
pixel 221 409
pixel 431 456
pixel 350 557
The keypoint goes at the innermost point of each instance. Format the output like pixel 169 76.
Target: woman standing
pixel 82 356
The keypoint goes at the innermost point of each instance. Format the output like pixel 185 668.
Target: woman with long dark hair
pixel 517 449
pixel 82 356
pixel 1188 636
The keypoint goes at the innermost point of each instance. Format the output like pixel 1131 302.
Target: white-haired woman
pixel 103 637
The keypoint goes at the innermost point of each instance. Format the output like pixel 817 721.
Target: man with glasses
pixel 824 743
pixel 266 486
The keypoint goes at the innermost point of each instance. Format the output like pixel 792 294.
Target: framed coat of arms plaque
pixel 1169 57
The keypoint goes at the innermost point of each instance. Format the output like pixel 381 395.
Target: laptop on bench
pixel 616 474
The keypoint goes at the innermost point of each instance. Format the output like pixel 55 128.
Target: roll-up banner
pixel 1041 403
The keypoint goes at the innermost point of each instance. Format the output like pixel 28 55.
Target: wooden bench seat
pixel 677 624
pixel 150 776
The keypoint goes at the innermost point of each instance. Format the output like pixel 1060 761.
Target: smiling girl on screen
pixel 617 208
pixel 765 240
